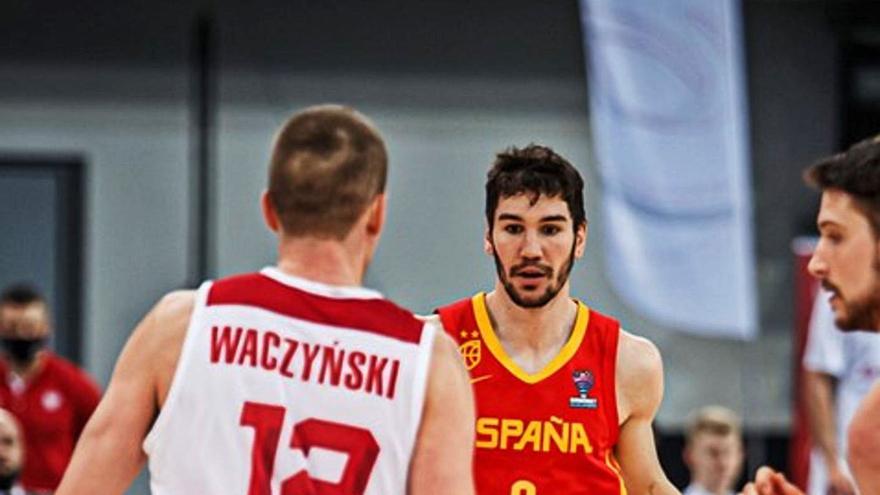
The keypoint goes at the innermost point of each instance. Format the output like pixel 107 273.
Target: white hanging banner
pixel 669 124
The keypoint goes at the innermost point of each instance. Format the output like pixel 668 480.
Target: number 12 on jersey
pixel 267 420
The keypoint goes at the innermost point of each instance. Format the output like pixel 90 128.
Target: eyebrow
pixel 547 219
pixel 554 218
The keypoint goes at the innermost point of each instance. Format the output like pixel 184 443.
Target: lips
pixel 531 272
pixel 830 288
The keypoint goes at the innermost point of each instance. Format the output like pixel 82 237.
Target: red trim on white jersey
pixel 353 308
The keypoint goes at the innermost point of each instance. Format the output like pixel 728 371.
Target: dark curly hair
pixel 534 170
pixel 856 172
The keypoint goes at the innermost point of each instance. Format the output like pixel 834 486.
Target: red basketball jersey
pixel 545 433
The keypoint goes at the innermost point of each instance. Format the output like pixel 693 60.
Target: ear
pixel 488 246
pixel 580 240
pixel 376 215
pixel 270 216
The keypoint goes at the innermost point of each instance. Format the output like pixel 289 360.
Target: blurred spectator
pixel 713 451
pixel 11 454
pixel 840 369
pixel 49 396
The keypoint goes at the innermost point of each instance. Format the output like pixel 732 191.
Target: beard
pixel 862 313
pixel 552 290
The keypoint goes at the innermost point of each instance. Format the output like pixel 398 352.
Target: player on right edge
pixel 847 262
pixel 565 398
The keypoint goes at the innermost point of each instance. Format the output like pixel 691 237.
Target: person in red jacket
pixel 50 396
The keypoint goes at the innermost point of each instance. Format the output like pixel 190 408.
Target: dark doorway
pixel 41 217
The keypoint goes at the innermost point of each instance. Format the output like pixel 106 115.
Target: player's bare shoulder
pixel 639 376
pixel 445 349
pixel 446 356
pixel 167 322
pixel 162 333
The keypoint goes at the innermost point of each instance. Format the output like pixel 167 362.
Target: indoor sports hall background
pixel 134 140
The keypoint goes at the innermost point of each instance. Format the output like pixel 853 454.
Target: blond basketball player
pixel 295 379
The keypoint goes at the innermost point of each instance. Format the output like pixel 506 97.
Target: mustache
pixel 531 265
pixel 828 286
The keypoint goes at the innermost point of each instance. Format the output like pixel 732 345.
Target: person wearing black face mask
pixel 49 396
pixel 22 352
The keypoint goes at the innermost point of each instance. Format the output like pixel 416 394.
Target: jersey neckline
pixel 568 350
pixel 318 288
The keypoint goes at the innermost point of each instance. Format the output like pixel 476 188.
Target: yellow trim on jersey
pixel 613 467
pixel 495 347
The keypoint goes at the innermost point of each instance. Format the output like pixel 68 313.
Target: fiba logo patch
pixel 583 382
pixel 471 350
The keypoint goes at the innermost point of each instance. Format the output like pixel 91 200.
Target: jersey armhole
pixel 422 368
pixel 152 441
pixel 613 343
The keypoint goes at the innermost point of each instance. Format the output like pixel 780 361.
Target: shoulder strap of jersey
pixel 604 333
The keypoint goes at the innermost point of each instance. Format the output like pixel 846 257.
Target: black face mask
pixel 7 480
pixel 22 351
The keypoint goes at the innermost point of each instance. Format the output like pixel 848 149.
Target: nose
pixel 817 265
pixel 531 247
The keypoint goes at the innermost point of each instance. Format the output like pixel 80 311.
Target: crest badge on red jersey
pixel 471 349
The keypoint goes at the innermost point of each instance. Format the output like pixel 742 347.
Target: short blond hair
pixel 714 420
pixel 328 163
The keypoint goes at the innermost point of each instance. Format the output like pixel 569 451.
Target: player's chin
pixel 532 298
pixel 531 287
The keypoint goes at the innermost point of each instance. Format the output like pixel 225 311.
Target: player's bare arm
pixel 864 443
pixel 639 379
pixel 109 455
pixel 820 406
pixel 442 461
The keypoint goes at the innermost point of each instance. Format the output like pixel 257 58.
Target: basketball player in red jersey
pixel 293 380
pixel 565 398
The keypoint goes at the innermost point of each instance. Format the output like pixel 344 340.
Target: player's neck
pixel 543 328
pixel 325 261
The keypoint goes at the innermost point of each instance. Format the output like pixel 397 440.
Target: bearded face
pixel 847 262
pixel 534 245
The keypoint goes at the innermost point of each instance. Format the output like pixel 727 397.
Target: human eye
pixel 833 236
pixel 550 229
pixel 513 228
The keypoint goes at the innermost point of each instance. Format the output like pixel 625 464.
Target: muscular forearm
pixel 663 487
pixel 864 443
pixel 820 408
pixel 102 463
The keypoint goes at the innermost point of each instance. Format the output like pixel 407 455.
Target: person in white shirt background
pixel 840 369
pixel 713 451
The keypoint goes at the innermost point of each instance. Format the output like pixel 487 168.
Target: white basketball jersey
pixel 854 359
pixel 285 386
